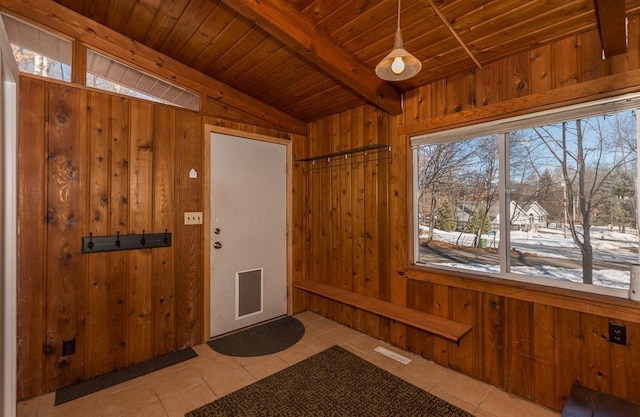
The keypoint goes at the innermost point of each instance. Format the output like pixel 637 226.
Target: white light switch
pixel 192 217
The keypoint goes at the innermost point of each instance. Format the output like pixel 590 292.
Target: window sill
pixel 602 305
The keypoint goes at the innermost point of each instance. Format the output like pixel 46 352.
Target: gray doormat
pixel 264 339
pixel 334 382
pixel 71 392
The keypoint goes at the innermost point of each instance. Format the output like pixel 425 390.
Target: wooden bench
pixel 448 329
pixel 585 402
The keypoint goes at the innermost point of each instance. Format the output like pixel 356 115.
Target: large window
pixel 549 198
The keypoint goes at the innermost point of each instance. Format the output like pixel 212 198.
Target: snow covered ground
pixel 611 246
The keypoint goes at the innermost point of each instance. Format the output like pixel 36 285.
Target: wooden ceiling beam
pixel 283 22
pixel 612 26
pixel 50 14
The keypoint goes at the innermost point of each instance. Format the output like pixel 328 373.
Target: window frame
pixel 501 127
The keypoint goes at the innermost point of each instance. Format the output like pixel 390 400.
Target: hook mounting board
pixel 117 242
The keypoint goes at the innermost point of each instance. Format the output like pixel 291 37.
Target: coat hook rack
pixel 363 154
pixel 117 242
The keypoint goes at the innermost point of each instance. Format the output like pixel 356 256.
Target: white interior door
pixel 248 232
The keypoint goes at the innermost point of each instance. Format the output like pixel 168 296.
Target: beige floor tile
pixel 463 387
pixel 385 362
pixel 296 353
pixel 252 360
pixel 152 410
pixel 310 333
pixel 366 344
pixel 131 399
pixel 204 351
pixel 320 342
pixel 502 404
pixel 216 366
pixel 230 382
pixel 307 317
pixel 422 373
pixel 128 384
pixel 343 334
pixel 46 404
pixel 86 405
pixel 267 366
pixel 165 371
pixel 28 408
pixel 169 383
pixel 457 401
pixel 184 401
pixel 324 325
pixel 482 413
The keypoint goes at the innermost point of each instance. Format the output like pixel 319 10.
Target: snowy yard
pixel 610 246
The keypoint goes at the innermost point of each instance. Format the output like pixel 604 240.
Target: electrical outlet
pixel 192 217
pixel 617 333
pixel 68 347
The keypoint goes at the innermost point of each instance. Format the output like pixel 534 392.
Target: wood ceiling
pixel 313 58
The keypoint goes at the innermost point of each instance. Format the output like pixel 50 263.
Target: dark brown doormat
pixel 334 382
pixel 264 339
pixel 71 392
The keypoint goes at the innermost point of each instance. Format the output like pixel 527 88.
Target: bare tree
pixel 437 163
pixel 581 148
pixel 486 183
pixel 35 63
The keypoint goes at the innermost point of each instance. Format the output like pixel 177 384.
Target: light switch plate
pixel 192 217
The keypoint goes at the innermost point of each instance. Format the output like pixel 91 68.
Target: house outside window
pixel 548 198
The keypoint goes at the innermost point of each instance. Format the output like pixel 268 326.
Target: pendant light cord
pixel 398 14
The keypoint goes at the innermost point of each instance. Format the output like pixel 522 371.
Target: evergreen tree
pixel 446 220
pixel 478 221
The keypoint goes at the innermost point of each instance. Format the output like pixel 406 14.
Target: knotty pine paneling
pixel 346 214
pixel 66 196
pixel 95 163
pixel 189 272
pixel 523 340
pixel 98 280
pixel 32 154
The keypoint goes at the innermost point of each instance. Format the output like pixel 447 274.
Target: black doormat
pixel 264 339
pixel 71 392
pixel 334 382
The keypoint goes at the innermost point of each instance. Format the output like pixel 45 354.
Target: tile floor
pixel 173 391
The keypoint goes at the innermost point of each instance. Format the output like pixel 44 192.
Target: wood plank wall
pixel 347 215
pixel 90 162
pixel 525 340
pixel 95 162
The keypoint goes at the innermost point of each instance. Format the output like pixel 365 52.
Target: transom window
pixel 549 198
pixel 38 52
pixel 108 74
pixel 47 55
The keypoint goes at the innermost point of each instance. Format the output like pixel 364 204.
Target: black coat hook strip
pixel 93 244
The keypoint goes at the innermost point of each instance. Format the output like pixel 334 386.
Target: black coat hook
pixel 95 244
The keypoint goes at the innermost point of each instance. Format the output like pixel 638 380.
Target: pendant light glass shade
pixel 399 64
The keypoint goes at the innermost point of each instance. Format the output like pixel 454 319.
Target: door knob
pixel 217 245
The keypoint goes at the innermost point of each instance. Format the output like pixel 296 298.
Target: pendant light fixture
pixel 399 64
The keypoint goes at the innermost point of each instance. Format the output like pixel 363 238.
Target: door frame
pixel 206 178
pixel 9 79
